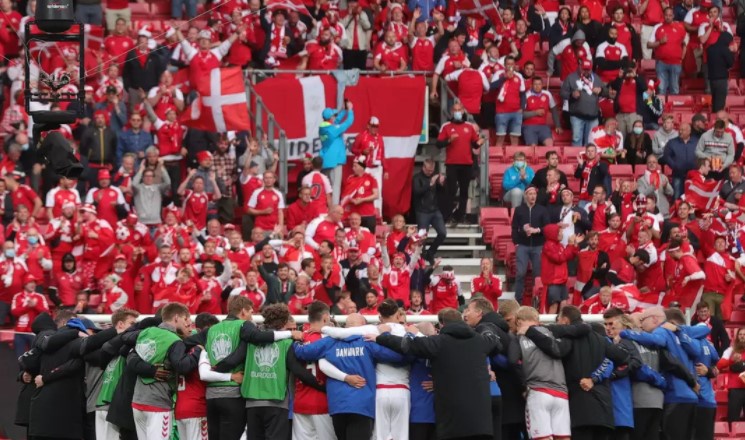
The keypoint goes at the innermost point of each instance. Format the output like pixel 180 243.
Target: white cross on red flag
pixel 221 105
pixel 702 195
pixel 480 8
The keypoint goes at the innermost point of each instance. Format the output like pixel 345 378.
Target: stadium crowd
pixel 181 222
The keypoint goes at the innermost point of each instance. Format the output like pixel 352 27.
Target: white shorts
pixel 194 428
pixel 312 427
pixel 152 425
pixel 392 407
pixel 104 429
pixel 547 415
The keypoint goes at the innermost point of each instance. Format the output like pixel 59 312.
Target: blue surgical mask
pixel 519 164
pixel 10 253
pixel 458 116
pixel 33 239
pixel 638 130
pixel 24 147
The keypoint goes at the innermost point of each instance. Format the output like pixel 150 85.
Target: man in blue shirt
pixel 333 148
pixel 133 140
pixel 680 155
pixel 352 409
pixel 516 180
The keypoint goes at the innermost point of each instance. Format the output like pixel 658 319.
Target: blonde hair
pixel 527 313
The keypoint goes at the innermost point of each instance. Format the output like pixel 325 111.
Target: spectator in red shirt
pixel 462 142
pixel 390 55
pixel 371 304
pixel 321 54
pixel 488 284
pixel 22 194
pixel 267 205
pixel 299 213
pixel 359 194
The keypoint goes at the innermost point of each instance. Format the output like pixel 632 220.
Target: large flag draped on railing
pixel 398 102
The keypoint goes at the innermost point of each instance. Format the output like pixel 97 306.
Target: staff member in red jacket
pixel 487 283
pixel 27 305
pixel 554 272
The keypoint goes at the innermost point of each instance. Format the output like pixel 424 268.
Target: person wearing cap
pixel 115 108
pixel 356 44
pixel 333 148
pixel 629 101
pixel 528 221
pixel 370 144
pixel 570 52
pixel 142 68
pixel 582 90
pixel 26 306
pixel 133 139
pixel 359 193
pixel 108 200
pixel 204 58
pixel 98 146
pixel 61 194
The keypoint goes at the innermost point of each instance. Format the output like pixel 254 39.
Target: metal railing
pixel 276 136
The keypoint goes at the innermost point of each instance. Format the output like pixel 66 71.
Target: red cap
pixel 104 174
pixel 587 65
pixel 120 257
pixel 203 155
pixel 29 278
pixel 229 227
pixel 132 218
pixel 308 156
pixel 170 108
pixel 353 246
pixel 103 113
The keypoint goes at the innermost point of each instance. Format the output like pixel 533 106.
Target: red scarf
pixel 654 178
pixel 142 57
pixel 589 165
pixel 564 27
pixel 278 45
pixel 553 194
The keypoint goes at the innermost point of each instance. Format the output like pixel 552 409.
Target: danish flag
pixel 703 195
pixel 221 105
pixel 480 8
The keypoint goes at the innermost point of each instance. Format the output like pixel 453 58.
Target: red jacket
pixel 554 257
pixel 490 287
pixel 24 312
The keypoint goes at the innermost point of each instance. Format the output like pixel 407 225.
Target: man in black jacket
pixel 591 172
pixel 590 404
pixel 718 336
pixel 458 359
pixel 528 221
pixel 142 69
pixel 719 59
pixel 427 184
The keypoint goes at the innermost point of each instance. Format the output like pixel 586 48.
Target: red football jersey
pixel 309 400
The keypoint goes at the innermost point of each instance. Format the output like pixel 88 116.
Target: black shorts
pixel 556 293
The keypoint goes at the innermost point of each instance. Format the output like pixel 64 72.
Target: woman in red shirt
pixel 732 365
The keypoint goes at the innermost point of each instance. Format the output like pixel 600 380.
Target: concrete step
pixel 463 266
pixel 452 250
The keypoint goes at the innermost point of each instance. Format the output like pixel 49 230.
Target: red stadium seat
pixel 501 241
pixel 721 413
pixel 721 383
pixel 510 151
pixel 622 171
pixel 540 153
pixel 722 396
pixel 737 317
pixel 737 430
pixel 721 429
pixel 496 176
pixel 139 9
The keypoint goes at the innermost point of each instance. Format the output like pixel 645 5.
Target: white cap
pixel 374 121
pixel 144 32
pixel 205 34
pixel 152 44
pixel 170 32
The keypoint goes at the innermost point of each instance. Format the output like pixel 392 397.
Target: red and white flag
pixel 221 105
pixel 480 8
pixel 398 103
pixel 288 5
pixel 93 37
pixel 626 297
pixel 702 195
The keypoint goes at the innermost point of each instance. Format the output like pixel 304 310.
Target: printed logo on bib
pixel 266 357
pixel 146 349
pixel 222 346
pixel 108 374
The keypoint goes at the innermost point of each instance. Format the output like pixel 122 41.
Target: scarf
pixel 8 275
pixel 553 193
pixel 564 27
pixel 278 47
pixel 653 177
pixel 589 165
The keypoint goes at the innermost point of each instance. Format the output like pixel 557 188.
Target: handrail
pixel 330 72
pixel 273 130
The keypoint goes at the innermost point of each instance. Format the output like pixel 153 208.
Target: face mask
pixel 24 147
pixel 520 164
pixel 120 269
pixel 33 240
pixel 638 130
pixel 458 116
pixel 611 41
pixel 10 253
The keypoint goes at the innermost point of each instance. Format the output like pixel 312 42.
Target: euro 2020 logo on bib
pixel 222 346
pixel 108 374
pixel 146 349
pixel 266 356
